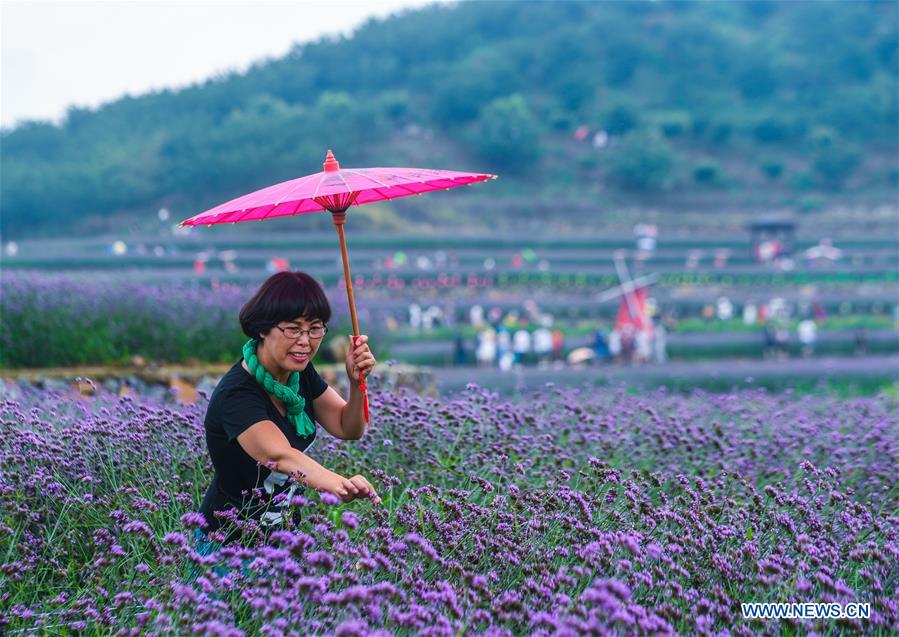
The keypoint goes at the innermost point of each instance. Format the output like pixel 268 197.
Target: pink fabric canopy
pixel 333 189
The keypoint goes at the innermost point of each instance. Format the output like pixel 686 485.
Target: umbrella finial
pixel 331 164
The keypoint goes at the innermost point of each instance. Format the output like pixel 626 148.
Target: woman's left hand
pixel 359 358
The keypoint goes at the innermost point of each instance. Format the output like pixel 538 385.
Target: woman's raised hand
pixel 359 358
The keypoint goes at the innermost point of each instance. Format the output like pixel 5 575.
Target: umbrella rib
pixel 380 183
pixel 388 186
pixel 411 181
pixel 243 213
pixel 299 183
pixel 263 217
pixel 319 185
pixel 349 190
pixel 409 190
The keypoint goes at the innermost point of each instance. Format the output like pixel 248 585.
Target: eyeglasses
pixel 295 333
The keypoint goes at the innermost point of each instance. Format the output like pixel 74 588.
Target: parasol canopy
pixel 334 189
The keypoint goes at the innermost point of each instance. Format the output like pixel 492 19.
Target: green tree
pixel 673 124
pixel 835 164
pixel 775 129
pixel 458 99
pixel 621 119
pixel 643 162
pixel 772 168
pixel 507 134
pixel 707 172
pixel 757 80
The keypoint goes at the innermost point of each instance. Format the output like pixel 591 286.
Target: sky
pixel 62 53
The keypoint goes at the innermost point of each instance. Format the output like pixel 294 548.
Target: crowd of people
pixel 506 346
pixel 529 337
pixel 629 345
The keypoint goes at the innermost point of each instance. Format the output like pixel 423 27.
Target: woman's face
pixel 290 346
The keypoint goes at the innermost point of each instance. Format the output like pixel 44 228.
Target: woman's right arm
pixel 265 443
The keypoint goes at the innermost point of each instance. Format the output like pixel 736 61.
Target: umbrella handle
pixel 339 219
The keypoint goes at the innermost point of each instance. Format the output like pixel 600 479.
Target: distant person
pixel 558 338
pixel 543 344
pixel 768 349
pixel 642 346
pixel 486 352
pixel 521 346
pixel 615 346
pixel 506 361
pixel 503 342
pixel 415 316
pixel 600 346
pixel 724 309
pixel 750 314
pixel 660 344
pixel 476 316
pixel 807 332
pixel 459 354
pixel 819 312
pixel 510 322
pixel 782 340
pixel 628 344
pixel 860 344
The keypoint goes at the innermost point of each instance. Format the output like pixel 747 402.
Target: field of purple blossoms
pixel 114 319
pixel 561 513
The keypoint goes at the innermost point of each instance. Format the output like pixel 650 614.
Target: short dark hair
pixel 283 297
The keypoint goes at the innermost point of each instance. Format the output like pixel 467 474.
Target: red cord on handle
pixel 364 389
pixel 364 397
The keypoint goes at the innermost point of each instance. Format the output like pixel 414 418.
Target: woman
pixel 262 413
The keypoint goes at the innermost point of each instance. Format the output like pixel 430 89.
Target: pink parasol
pixel 335 189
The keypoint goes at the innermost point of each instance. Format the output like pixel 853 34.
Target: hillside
pixel 579 106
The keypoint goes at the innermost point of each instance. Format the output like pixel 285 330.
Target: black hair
pixel 284 296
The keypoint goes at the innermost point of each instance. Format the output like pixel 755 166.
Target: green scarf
pixel 288 394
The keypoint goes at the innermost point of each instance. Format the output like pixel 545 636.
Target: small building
pixel 772 237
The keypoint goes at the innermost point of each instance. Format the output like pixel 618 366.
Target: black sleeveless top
pixel 237 403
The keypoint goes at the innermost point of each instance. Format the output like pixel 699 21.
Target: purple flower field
pixel 559 514
pixel 54 321
pixel 57 320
